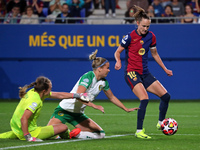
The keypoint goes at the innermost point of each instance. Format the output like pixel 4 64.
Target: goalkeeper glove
pixel 84 96
pixel 29 138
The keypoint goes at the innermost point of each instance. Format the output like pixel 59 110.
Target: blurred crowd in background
pixel 66 11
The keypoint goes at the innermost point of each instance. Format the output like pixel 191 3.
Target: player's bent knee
pixel 59 128
pixel 64 127
pixel 166 97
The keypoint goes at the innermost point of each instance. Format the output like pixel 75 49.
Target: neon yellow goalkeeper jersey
pixel 32 102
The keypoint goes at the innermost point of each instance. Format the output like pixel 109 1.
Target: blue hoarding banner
pixel 61 52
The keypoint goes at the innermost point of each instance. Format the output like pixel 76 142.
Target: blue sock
pixel 141 113
pixel 163 106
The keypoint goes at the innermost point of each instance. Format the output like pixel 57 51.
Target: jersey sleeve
pixel 107 87
pixel 86 80
pixel 33 105
pixel 153 44
pixel 126 41
pixel 47 96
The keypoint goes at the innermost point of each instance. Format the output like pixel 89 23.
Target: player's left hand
pixel 169 72
pixel 118 65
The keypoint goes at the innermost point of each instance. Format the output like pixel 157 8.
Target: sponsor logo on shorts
pixel 60 113
pixel 135 79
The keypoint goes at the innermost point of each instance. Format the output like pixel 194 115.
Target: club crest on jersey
pixel 141 42
pixel 100 87
pixel 141 51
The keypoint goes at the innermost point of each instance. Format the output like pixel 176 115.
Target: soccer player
pixel 137 44
pixel 23 122
pixel 72 111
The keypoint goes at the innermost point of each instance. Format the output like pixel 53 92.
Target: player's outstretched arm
pixel 64 95
pixel 117 102
pixel 157 58
pixel 98 107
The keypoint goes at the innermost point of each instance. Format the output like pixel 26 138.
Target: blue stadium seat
pixel 45 11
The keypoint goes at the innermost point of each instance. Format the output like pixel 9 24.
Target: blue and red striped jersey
pixel 137 48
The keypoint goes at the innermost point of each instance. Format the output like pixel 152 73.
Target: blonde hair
pixel 41 83
pixel 97 61
pixel 140 13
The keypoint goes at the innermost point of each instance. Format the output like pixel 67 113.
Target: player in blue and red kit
pixel 137 45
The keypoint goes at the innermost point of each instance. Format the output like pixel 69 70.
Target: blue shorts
pixel 132 78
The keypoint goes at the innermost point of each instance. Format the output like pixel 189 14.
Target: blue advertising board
pixel 61 52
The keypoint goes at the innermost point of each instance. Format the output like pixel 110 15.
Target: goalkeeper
pixel 23 122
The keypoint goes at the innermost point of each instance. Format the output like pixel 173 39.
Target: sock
pixel 159 122
pixel 141 113
pixel 65 135
pixel 163 106
pixel 91 135
pixel 139 130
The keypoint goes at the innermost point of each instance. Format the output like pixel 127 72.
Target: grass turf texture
pixel 116 122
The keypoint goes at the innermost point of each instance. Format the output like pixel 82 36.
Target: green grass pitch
pixel 119 127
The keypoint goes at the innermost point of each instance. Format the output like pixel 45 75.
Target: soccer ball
pixel 169 126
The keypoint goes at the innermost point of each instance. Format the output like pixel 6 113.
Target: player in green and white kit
pixel 23 122
pixel 72 111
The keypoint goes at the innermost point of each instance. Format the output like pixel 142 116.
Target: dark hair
pixel 190 8
pixel 140 13
pixel 65 4
pixel 41 83
pixel 16 5
pixel 169 6
pixel 27 8
pixel 132 19
pixel 97 61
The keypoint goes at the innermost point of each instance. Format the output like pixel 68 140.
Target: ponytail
pixel 41 83
pixel 97 61
pixel 140 13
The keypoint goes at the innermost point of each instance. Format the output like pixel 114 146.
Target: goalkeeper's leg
pixel 8 135
pixel 51 130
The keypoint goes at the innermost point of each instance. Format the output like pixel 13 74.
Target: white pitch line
pixel 50 143
pixel 76 140
pixel 194 116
